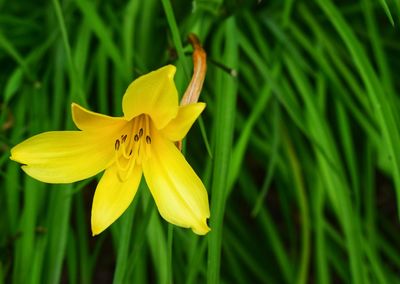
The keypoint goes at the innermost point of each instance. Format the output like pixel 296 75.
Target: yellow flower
pixel 142 141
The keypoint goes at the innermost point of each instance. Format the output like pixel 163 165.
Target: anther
pixel 148 139
pixel 136 138
pixel 117 143
pixel 123 138
pixel 141 132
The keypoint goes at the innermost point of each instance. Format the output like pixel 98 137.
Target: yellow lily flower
pixel 142 141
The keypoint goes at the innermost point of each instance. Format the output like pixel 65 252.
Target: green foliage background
pixel 299 146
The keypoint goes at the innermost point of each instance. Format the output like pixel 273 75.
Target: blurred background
pixel 299 146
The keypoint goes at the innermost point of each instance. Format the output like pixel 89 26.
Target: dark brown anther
pixel 136 138
pixel 116 145
pixel 130 152
pixel 123 138
pixel 141 132
pixel 148 139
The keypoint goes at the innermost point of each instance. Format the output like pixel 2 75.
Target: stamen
pixel 147 148
pixel 131 150
pixel 116 145
pixel 119 166
pixel 148 139
pixel 123 138
pixel 136 123
pixel 135 147
pixel 147 126
pixel 128 168
pixel 124 151
pixel 131 166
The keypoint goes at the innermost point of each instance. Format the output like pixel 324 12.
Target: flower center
pixel 133 147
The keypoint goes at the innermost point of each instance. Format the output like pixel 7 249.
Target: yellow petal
pixel 179 126
pixel 154 94
pixel 180 195
pixel 64 156
pixel 91 121
pixel 113 197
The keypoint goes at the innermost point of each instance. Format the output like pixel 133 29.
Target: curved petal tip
pixel 202 229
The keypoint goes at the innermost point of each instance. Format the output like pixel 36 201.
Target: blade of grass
pixel 271 233
pixel 233 262
pixel 58 224
pixel 125 235
pixel 246 131
pixel 104 34
pixel 26 243
pixel 321 247
pixel 82 231
pixel 72 258
pixel 13 52
pixel 238 247
pixel 129 33
pixel 349 152
pixel 376 264
pixel 302 274
pixel 139 238
pixel 376 42
pixel 225 91
pixel 387 11
pixel 272 162
pixel 176 37
pixel 335 181
pixel 76 87
pixel 332 75
pixel 195 262
pixel 158 247
pixel 380 101
pixel 287 10
pixel 170 239
pixel 12 173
